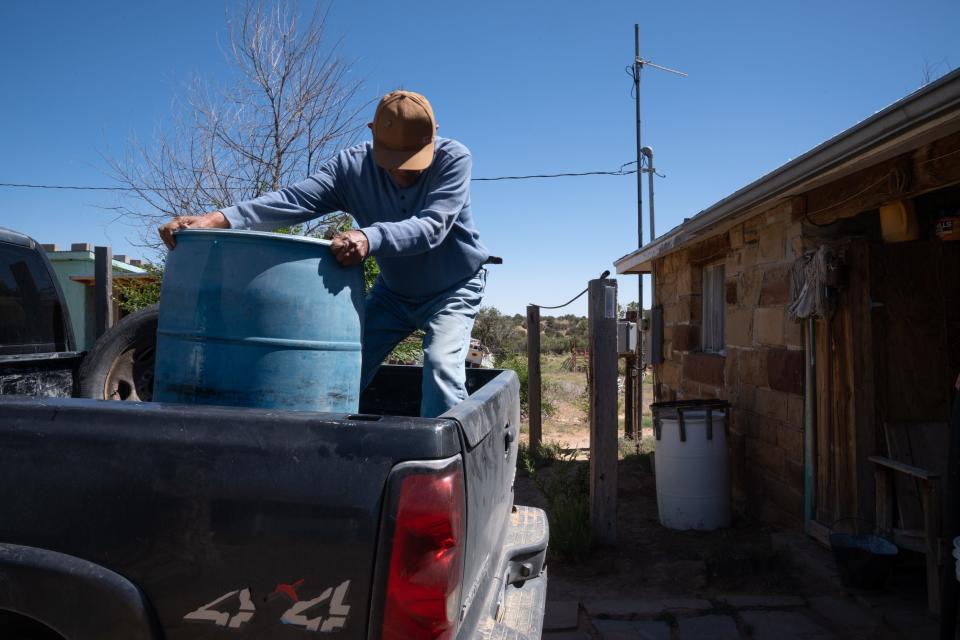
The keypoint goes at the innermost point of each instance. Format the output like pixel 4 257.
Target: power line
pixel 622 171
pixel 560 306
pixel 69 187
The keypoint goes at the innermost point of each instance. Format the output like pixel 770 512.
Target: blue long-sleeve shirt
pixel 423 236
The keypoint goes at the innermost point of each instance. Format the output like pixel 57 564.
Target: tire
pixel 120 365
pixel 14 626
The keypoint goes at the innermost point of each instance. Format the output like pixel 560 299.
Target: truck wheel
pixel 120 365
pixel 18 627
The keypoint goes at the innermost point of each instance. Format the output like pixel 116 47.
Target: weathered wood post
pixel 603 410
pixel 103 289
pixel 534 402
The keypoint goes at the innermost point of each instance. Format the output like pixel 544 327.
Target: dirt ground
pixel 648 558
pixel 650 561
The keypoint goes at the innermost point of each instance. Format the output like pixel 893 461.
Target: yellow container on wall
pixel 898 221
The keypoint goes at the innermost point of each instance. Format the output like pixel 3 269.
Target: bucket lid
pixel 682 410
pixel 673 408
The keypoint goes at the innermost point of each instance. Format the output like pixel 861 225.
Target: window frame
pixel 713 301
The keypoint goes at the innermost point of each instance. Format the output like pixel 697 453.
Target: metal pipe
pixel 647 151
pixel 809 426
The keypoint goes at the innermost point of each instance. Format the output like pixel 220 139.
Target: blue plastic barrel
pixel 258 319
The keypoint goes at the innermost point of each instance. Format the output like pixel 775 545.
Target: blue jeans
pixel 446 318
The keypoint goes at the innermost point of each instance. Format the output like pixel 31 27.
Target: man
pixel 409 191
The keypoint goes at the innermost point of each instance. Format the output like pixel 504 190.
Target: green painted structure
pixel 74 271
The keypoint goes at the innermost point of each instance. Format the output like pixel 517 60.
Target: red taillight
pixel 426 560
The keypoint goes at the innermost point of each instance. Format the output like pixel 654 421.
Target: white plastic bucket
pixel 693 464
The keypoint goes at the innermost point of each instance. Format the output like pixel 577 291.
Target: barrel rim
pixel 246 233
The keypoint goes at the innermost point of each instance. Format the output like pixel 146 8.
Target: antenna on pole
pixel 638 65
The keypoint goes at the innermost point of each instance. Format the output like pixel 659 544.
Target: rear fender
pixel 76 598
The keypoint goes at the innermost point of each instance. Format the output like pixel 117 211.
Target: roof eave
pixel 928 103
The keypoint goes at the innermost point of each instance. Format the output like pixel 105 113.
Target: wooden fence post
pixel 603 410
pixel 534 402
pixel 103 289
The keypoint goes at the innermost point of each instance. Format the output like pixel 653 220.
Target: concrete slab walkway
pixel 722 617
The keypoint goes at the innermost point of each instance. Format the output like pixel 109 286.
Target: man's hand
pixel 350 247
pixel 215 220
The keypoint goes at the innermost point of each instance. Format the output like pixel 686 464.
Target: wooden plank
pixel 921 445
pixel 911 308
pixel 845 434
pixel 928 442
pixel 534 397
pixel 936 165
pixel 845 403
pixel 910 539
pixel 931 512
pixel 884 496
pixel 909 508
pixel 824 501
pixel 602 319
pixel 865 425
pixel 103 289
pixel 819 532
pixel 809 427
pixel 932 166
pixel 902 467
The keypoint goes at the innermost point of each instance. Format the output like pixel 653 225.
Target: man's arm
pixel 428 228
pixel 212 220
pixel 292 205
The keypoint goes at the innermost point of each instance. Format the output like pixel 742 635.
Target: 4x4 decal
pixel 208 612
pixel 330 619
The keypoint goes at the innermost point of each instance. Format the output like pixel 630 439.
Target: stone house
pixel 813 399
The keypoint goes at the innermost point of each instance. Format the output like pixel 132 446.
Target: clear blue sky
pixel 530 87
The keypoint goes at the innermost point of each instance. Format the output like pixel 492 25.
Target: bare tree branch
pixel 289 106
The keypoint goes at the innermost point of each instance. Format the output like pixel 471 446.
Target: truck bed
pixel 191 503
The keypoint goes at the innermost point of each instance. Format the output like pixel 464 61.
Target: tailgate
pixel 234 522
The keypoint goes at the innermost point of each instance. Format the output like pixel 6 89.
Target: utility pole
pixel 638 406
pixel 638 64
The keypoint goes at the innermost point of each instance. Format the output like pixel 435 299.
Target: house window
pixel 713 309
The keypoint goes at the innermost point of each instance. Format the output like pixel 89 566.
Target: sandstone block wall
pixel 761 371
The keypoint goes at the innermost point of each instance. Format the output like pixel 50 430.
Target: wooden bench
pixel 913 471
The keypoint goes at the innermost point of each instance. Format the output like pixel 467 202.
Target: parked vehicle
pixel 478 355
pixel 148 520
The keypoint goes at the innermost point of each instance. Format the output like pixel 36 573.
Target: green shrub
pixel 543 456
pixel 566 487
pixel 519 365
pixel 132 295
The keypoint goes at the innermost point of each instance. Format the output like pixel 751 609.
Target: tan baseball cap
pixel 403 131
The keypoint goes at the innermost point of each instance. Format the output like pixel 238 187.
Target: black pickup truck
pixel 133 520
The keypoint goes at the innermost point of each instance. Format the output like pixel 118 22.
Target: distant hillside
pixel 507 335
